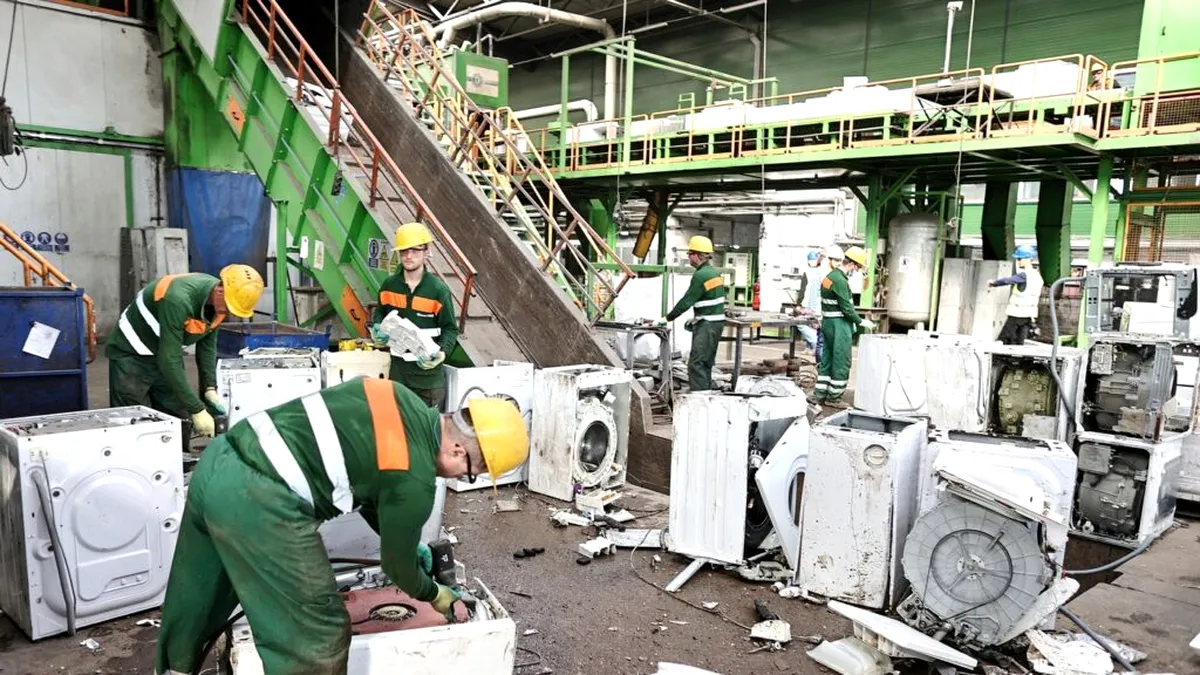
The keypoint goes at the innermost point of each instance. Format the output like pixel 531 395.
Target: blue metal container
pixel 234 337
pixel 30 384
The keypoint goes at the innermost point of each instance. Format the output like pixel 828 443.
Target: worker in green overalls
pixel 706 298
pixel 145 351
pixel 839 320
pixel 424 299
pixel 249 530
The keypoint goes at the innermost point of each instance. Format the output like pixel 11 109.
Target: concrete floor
pixel 601 618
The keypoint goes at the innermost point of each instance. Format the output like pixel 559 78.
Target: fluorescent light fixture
pixel 652 26
pixel 744 5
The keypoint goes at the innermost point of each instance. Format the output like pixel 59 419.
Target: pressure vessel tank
pixel 912 252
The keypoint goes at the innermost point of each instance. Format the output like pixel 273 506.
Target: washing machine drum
pixel 974 568
pixel 595 442
pixel 773 386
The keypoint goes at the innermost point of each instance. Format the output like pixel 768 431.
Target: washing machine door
pixel 778 486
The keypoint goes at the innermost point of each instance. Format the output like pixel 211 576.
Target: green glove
pixel 425 558
pixel 214 401
pixel 378 335
pixel 429 364
pixel 661 321
pixel 444 602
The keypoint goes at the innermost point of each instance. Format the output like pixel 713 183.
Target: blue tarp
pixel 227 216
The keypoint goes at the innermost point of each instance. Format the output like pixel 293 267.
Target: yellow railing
pixel 1158 111
pixel 35 266
pixel 404 50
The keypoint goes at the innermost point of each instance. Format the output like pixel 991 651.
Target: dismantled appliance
pixel 580 435
pixel 405 339
pixel 1127 488
pixel 1189 469
pixel 339 367
pixel 509 380
pixel 1132 388
pixel 768 386
pixel 735 468
pixel 985 555
pixel 267 377
pixel 877 639
pixel 966 304
pixel 859 501
pixel 902 375
pixel 1145 299
pixel 90 515
pixel 349 536
pixel 1020 396
pixel 392 632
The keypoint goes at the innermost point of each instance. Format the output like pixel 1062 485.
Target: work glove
pixel 661 321
pixel 429 364
pixel 867 325
pixel 378 335
pixel 991 283
pixel 203 424
pixel 425 558
pixel 214 401
pixel 444 602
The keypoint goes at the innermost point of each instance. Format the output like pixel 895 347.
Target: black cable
pixel 531 663
pixel 12 29
pixel 1114 564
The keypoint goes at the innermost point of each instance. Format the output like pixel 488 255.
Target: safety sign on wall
pixel 377 253
pixel 46 242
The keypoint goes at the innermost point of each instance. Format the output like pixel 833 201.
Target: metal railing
pixel 35 266
pixel 1156 111
pixel 123 11
pixel 493 147
pixel 352 142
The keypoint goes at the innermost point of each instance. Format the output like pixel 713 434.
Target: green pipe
pixel 71 146
pixel 874 211
pixel 106 135
pixel 128 165
pixel 592 46
pixel 281 263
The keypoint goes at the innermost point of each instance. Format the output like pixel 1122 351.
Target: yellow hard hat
pixel 243 288
pixel 501 432
pixel 412 235
pixel 700 244
pixel 858 255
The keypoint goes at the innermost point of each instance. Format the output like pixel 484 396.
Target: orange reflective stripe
pixel 195 327
pixel 827 283
pixel 713 283
pixel 391 443
pixel 160 289
pixel 426 305
pixel 392 299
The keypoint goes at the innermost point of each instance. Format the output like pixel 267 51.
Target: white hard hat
pixel 834 252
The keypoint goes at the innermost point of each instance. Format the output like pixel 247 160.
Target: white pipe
pixel 952 8
pixel 447 29
pixel 588 108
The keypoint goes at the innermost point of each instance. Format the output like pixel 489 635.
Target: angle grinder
pixel 445 572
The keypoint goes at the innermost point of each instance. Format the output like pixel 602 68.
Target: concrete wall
pixel 86 91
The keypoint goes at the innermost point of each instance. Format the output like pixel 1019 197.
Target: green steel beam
pixel 674 65
pixel 1075 180
pixel 875 193
pixel 1018 165
pixel 998 219
pixel 1052 227
pixel 1182 143
pixel 281 263
pixel 108 135
pixel 1100 202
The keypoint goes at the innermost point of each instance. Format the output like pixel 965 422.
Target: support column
pixel 281 263
pixel 1053 228
pixel 1100 214
pixel 874 216
pixel 996 223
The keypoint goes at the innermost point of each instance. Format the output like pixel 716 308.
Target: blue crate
pixel 31 385
pixel 234 337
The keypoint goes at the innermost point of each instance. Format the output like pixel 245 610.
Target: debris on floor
pixel 90 645
pixel 678 669
pixel 635 538
pixel 597 547
pixel 1061 654
pixel 506 506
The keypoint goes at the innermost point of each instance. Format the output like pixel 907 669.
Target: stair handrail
pixel 407 37
pixel 34 264
pixel 276 32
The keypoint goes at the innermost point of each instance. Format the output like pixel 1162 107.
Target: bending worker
pixel 839 320
pixel 1023 299
pixel 424 299
pixel 249 530
pixel 706 298
pixel 145 352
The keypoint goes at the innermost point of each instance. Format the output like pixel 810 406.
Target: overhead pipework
pixel 589 110
pixel 447 29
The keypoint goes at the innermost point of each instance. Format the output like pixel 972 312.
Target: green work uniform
pixel 706 298
pixel 431 308
pixel 838 323
pixel 145 350
pixel 249 529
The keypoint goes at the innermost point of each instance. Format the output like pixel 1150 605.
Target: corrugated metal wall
pixel 815 43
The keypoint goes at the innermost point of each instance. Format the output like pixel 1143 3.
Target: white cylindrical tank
pixel 912 244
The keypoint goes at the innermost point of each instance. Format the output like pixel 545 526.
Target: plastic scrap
pixel 678 669
pixel 597 547
pixel 154 623
pixel 91 645
pixel 404 337
pixel 563 518
pixel 772 630
pixel 506 506
pixel 1128 653
pixel 1063 655
pixel 851 656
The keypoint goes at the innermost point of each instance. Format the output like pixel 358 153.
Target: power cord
pixel 715 612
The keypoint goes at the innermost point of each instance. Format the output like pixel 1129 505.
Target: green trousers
pixel 706 335
pixel 136 380
pixel 429 385
pixel 834 372
pixel 245 537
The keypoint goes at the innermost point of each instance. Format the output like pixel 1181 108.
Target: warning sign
pixel 378 252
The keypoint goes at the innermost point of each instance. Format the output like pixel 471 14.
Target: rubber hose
pixel 1099 640
pixel 60 557
pixel 1114 564
pixel 1062 393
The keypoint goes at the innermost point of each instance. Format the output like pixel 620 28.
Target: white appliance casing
pixel 508 379
pixel 563 413
pixel 709 471
pixel 115 484
pixel 265 378
pixel 1162 476
pixel 339 367
pixel 893 371
pixel 859 502
pixel 1069 362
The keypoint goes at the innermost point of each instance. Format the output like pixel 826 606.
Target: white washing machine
pixel 901 374
pixel 108 484
pixel 858 503
pixel 580 435
pixel 720 444
pixel 1020 397
pixel 339 367
pixel 984 558
pixel 504 379
pixel 264 378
